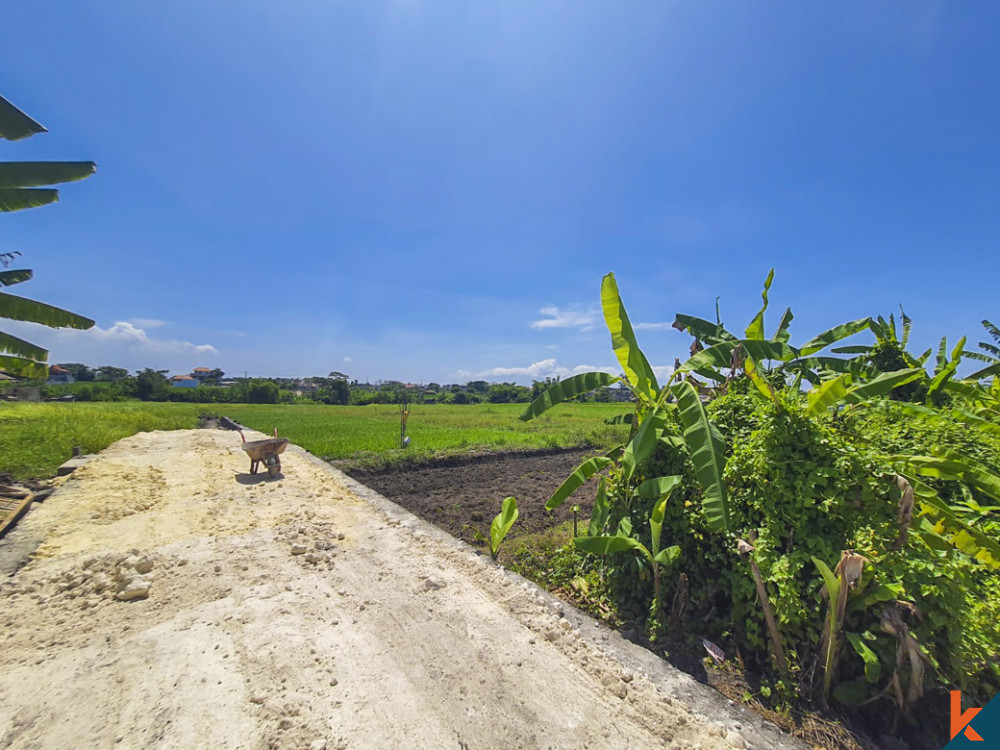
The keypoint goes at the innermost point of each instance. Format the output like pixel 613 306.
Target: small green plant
pixel 501 525
pixel 623 541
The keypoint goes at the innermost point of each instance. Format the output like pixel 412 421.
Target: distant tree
pixel 215 375
pixel 434 387
pixel 151 385
pixel 25 185
pixel 335 392
pixel 81 373
pixel 262 392
pixel 507 393
pixel 460 398
pixel 109 374
pixel 338 376
pixel 477 386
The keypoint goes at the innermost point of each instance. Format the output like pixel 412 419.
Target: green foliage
pixel 19 189
pixel 262 392
pixel 502 524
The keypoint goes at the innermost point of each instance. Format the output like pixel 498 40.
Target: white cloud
pixel 123 344
pixel 147 322
pixel 126 333
pixel 347 359
pixel 663 372
pixel 652 326
pixel 573 317
pixel 546 368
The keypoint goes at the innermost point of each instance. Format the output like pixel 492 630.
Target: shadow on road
pixel 250 479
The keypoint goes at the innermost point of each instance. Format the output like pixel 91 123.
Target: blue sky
pixel 433 191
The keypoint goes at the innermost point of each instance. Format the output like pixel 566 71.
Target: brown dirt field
pixel 175 601
pixel 461 495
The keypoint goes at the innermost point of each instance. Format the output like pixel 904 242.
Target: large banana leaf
pixel 14 124
pixel 948 369
pixel 630 356
pixel 643 442
pixel 658 487
pixel 834 335
pixel 19 308
pixel 600 512
pixel 24 368
pixel 14 199
pixel 606 545
pixel 836 391
pixel 9 278
pixel 567 389
pixel 28 174
pixel 782 333
pixel 947 464
pixel 721 355
pixel 656 517
pixel 703 330
pixel 948 525
pixel 986 372
pixel 756 328
pixel 707 448
pixel 22 348
pixel 576 480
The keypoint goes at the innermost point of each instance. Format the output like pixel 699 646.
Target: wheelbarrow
pixel 265 451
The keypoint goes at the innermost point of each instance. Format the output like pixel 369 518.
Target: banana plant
pixel 990 354
pixel 25 185
pixel 701 439
pixel 622 541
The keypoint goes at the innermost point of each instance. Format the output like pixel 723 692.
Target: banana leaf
pixel 607 545
pixel 630 356
pixel 9 278
pixel 25 368
pixel 756 328
pixel 703 330
pixel 834 335
pixel 600 512
pixel 658 487
pixel 29 174
pixel 22 348
pixel 19 308
pixel 720 356
pixel 14 124
pixel 576 480
pixel 643 442
pixel 15 199
pixel 567 389
pixel 707 449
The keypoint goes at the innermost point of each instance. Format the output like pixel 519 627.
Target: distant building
pixel 59 376
pixel 183 381
pixel 201 374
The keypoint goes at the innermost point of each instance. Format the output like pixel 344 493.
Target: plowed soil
pixel 461 495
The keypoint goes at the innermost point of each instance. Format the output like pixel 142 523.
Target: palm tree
pixel 25 185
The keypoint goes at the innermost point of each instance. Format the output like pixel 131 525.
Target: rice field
pixel 36 438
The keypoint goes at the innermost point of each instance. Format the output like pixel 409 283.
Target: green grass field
pixel 36 438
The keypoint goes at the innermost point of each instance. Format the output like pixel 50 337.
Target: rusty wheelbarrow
pixel 266 451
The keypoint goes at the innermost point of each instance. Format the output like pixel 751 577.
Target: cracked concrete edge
pixel 669 680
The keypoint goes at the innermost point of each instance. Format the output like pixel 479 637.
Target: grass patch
pixel 370 434
pixel 36 438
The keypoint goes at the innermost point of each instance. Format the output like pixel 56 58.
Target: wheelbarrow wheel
pixel 273 466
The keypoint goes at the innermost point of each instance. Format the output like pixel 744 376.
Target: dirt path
pixel 177 602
